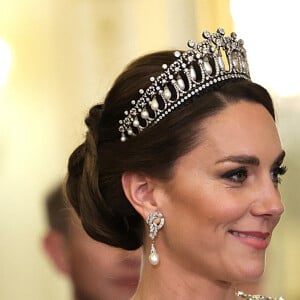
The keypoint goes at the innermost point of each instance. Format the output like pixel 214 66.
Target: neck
pixel 169 281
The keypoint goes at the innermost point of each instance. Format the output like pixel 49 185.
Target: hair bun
pixel 75 170
pixel 93 119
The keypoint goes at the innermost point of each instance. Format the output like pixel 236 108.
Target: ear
pixel 55 246
pixel 140 190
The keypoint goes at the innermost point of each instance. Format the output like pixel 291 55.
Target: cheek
pixel 89 252
pixel 204 207
pixel 92 264
pixel 190 213
pixel 217 207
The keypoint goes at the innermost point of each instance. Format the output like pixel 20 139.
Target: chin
pixel 248 271
pixel 253 267
pixel 252 272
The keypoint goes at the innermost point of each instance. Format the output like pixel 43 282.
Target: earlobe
pixel 139 190
pixel 55 247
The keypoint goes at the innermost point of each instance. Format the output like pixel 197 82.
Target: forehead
pixel 241 127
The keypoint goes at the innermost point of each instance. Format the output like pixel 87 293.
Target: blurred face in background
pixel 100 271
pixel 97 271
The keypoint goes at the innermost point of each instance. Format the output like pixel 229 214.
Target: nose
pixel 268 200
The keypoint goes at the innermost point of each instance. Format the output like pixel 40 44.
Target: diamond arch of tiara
pixel 217 58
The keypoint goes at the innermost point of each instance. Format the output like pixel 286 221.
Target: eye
pixel 238 175
pixel 276 173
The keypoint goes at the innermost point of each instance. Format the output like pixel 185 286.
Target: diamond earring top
pixel 215 59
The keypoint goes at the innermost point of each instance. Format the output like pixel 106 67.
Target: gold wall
pixel 65 55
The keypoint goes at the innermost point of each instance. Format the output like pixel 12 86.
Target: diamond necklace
pixel 256 297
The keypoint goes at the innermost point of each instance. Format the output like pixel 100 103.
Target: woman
pixel 187 165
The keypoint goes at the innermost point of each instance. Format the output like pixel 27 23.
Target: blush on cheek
pixel 210 218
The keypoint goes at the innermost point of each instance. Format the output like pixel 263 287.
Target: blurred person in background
pixel 96 270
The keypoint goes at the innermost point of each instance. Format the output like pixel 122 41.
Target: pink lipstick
pixel 255 239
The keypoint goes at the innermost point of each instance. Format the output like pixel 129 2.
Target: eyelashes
pixel 239 175
pixel 277 172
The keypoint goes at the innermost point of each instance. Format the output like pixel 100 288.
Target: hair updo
pixel 96 167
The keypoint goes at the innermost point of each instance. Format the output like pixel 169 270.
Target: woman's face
pixel 223 202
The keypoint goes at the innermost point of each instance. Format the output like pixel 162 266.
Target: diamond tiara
pixel 215 59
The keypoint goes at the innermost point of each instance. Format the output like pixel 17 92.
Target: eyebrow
pixel 241 159
pixel 250 160
pixel 278 161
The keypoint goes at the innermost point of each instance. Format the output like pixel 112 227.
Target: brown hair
pixel 57 213
pixel 105 212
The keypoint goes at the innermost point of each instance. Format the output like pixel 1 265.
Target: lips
pixel 250 234
pixel 255 239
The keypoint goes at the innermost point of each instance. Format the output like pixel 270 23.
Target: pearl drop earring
pixel 155 221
